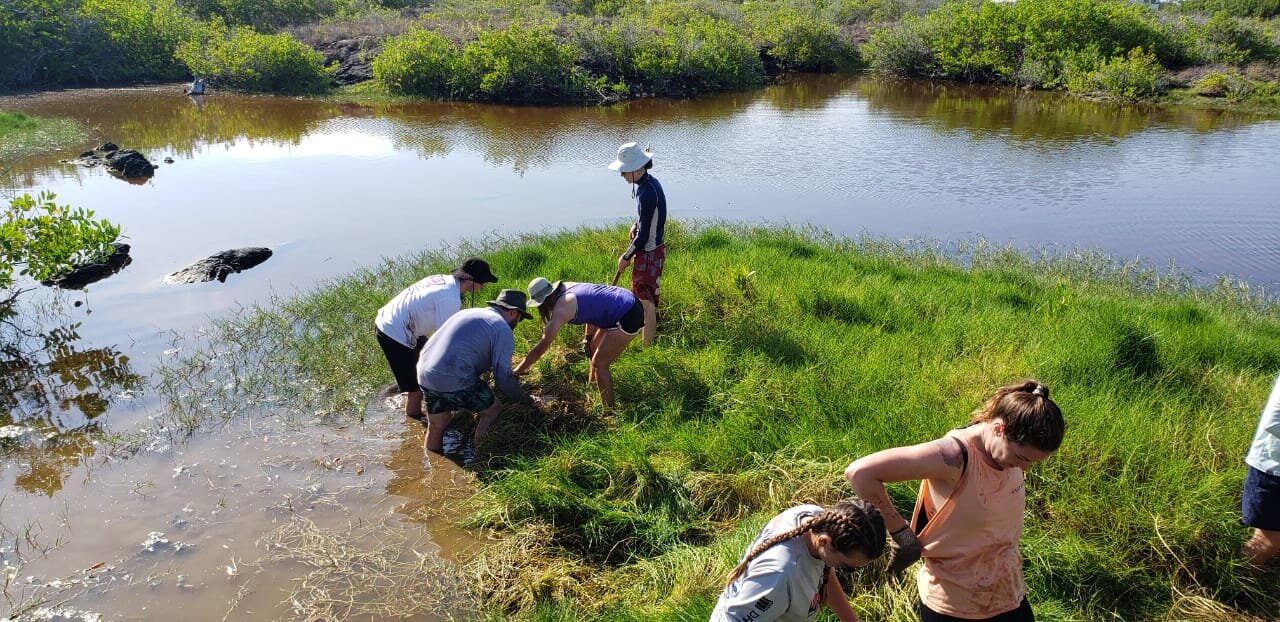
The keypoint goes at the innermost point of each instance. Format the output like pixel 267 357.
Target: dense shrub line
pixel 605 50
pixel 1110 47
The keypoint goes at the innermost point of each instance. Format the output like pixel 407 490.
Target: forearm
pixel 533 356
pixel 838 600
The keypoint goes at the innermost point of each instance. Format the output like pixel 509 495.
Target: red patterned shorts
pixel 646 272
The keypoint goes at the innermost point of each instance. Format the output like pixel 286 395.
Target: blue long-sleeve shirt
pixel 469 343
pixel 651 207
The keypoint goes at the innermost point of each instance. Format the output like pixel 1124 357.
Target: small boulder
pixel 85 274
pixel 131 164
pixel 220 265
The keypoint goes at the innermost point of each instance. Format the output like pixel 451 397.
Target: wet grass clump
pixel 782 356
pixel 23 135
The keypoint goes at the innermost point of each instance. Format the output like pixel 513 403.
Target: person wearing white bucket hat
pixel 611 314
pixel 647 245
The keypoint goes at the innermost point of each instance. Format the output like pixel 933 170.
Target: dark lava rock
pixel 83 275
pixel 126 163
pixel 130 163
pixel 354 58
pixel 220 265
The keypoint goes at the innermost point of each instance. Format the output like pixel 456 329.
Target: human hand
pixel 623 262
pixel 905 549
pixel 543 400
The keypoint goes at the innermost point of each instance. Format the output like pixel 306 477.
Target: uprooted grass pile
pixel 782 356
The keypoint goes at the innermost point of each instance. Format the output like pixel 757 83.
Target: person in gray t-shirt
pixel 468 344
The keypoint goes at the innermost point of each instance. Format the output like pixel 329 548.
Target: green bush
pixel 41 239
pixel 77 41
pixel 418 62
pixel 264 15
pixel 800 40
pixel 1238 8
pixel 244 59
pixel 697 55
pixel 520 64
pixel 1137 75
pixel 1038 43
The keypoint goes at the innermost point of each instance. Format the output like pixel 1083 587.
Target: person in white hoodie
pixel 1260 504
pixel 789 571
pixel 406 321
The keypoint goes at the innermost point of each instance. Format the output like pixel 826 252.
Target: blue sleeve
pixel 647 198
pixel 503 377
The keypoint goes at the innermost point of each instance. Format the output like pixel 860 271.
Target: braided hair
pixel 854 525
pixel 1029 416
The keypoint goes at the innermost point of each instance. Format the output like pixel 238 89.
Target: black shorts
pixel 1021 614
pixel 632 321
pixel 1260 506
pixel 403 361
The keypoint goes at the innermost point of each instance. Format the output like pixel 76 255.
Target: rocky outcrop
pixel 85 274
pixel 220 265
pixel 126 163
pixel 354 58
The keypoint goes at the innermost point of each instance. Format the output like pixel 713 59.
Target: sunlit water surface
pixel 331 187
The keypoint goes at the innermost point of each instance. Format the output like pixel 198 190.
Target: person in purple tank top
pixel 612 316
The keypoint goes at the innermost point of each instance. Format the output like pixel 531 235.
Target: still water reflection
pixel 332 186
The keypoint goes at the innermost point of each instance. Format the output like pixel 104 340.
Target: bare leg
pixel 486 418
pixel 597 337
pixel 650 322
pixel 413 405
pixel 611 347
pixel 437 423
pixel 1261 547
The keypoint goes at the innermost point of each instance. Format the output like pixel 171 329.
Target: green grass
pixel 782 356
pixel 22 135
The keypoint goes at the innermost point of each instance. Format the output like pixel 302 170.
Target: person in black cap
pixel 404 324
pixel 468 344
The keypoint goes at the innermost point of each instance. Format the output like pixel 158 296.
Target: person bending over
pixel 470 343
pixel 789 571
pixel 407 320
pixel 969 513
pixel 612 317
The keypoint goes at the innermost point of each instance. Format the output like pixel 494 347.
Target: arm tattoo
pixel 951 455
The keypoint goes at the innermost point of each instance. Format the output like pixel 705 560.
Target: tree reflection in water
pixel 51 394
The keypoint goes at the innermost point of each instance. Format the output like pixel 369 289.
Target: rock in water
pixel 85 274
pixel 131 164
pixel 220 265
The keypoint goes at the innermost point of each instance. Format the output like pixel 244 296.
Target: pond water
pixel 333 186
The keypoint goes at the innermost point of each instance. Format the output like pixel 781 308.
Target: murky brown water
pixel 333 186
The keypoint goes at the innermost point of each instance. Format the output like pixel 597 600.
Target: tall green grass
pixel 782 356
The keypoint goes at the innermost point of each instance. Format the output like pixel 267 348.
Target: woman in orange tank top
pixel 968 515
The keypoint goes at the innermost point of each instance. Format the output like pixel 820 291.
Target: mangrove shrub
pixel 1032 42
pixel 419 62
pixel 76 41
pixel 520 64
pixel 799 40
pixel 241 58
pixel 41 239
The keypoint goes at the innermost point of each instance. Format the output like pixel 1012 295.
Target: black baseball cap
pixel 475 269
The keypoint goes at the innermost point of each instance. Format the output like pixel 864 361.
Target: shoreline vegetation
pixel 1208 53
pixel 23 135
pixel 784 354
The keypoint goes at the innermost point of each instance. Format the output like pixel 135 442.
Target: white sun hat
pixel 539 289
pixel 631 158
